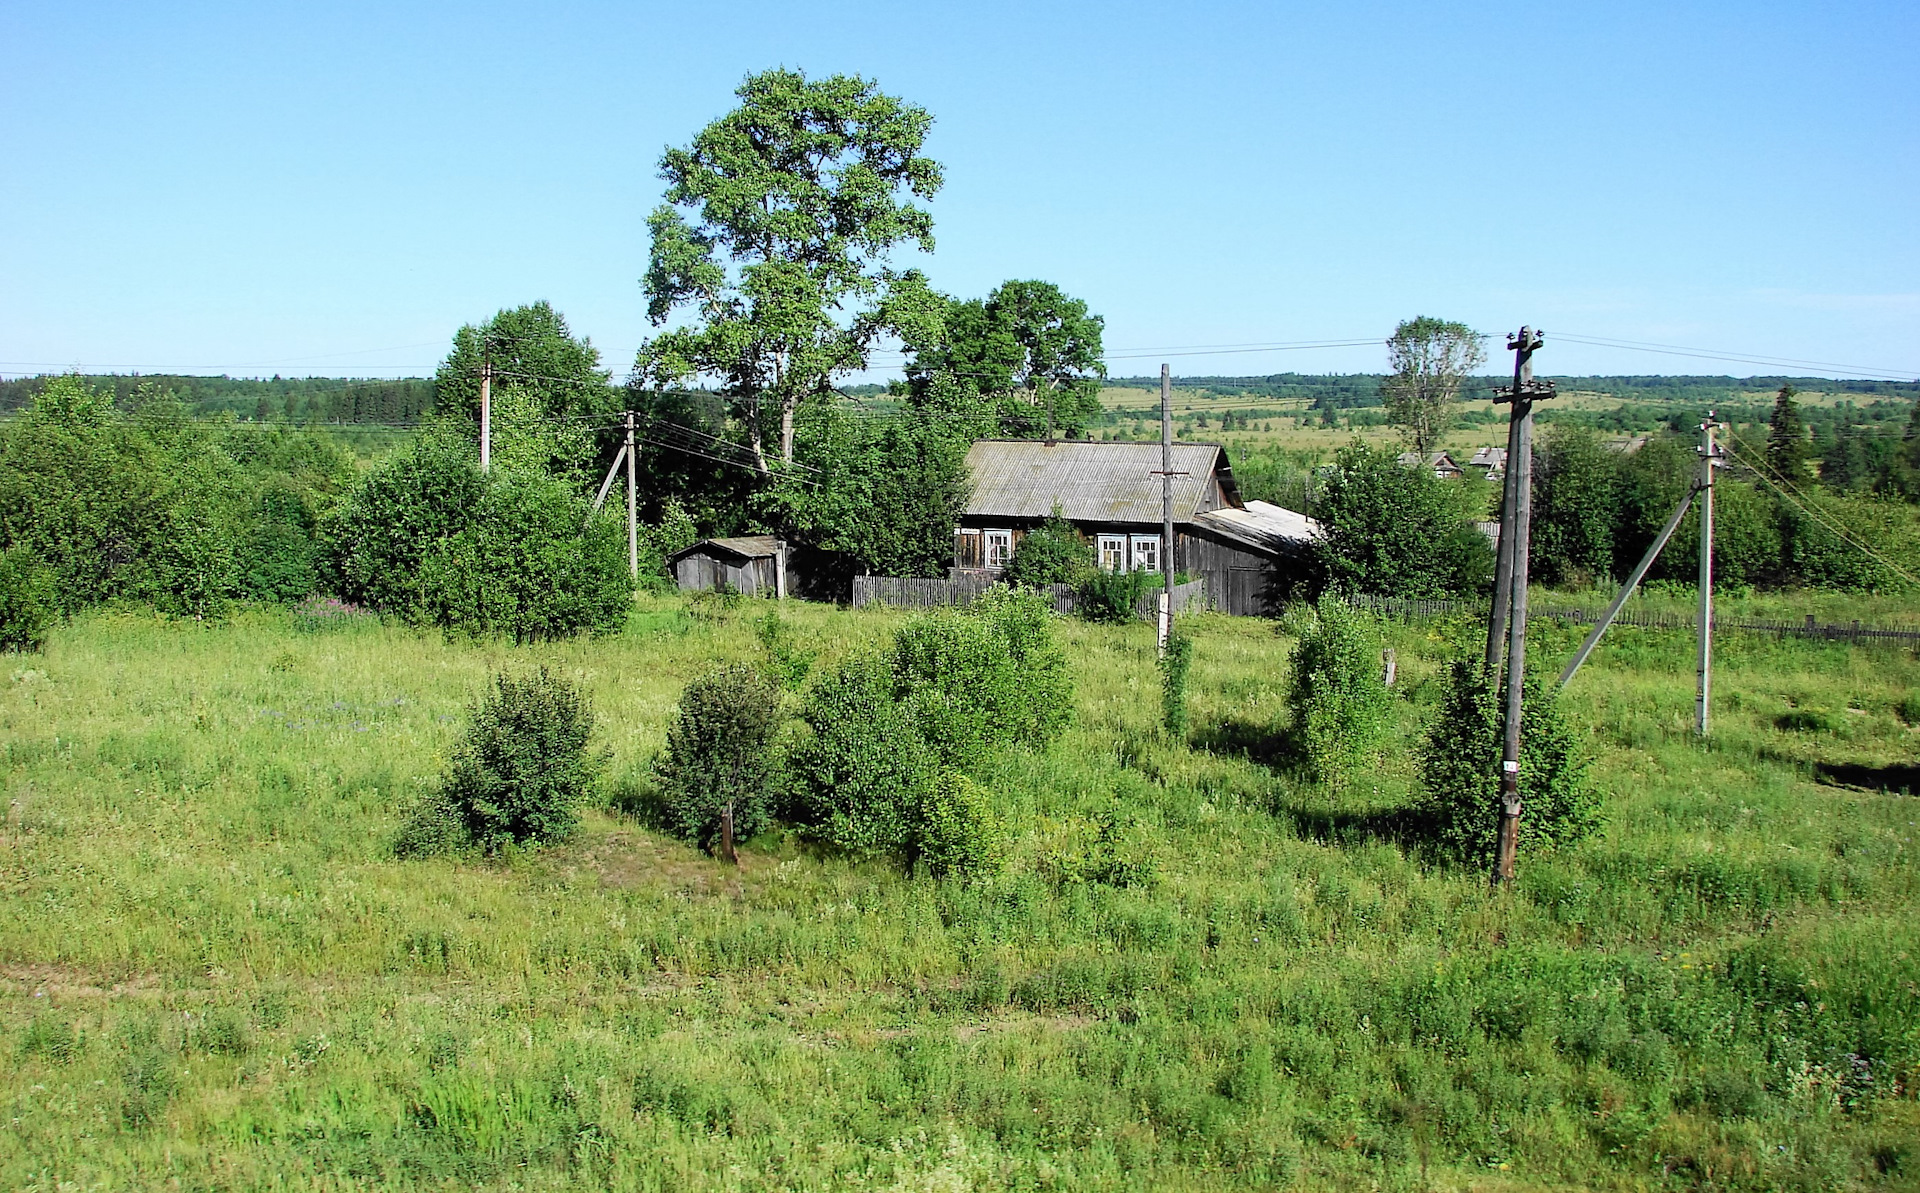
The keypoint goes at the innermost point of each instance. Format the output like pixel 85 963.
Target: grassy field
pixel 1198 973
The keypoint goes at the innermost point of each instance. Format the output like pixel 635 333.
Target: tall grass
pixel 1195 970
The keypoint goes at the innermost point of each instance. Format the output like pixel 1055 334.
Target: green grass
pixel 1197 973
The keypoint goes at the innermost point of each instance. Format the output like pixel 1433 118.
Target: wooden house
pixel 755 565
pixel 1250 553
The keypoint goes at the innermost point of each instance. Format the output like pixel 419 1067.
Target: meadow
pixel 1198 972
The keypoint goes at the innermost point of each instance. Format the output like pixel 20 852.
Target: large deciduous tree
pixel 1028 352
pixel 1430 359
pixel 775 241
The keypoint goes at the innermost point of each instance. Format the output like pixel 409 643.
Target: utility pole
pixel 1519 508
pixel 486 415
pixel 1166 509
pixel 633 508
pixel 1503 569
pixel 1705 484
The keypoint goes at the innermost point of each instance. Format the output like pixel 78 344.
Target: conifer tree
pixel 1787 438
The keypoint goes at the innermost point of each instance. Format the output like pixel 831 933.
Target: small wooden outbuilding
pixel 755 565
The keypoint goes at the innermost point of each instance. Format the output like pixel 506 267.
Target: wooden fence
pixel 1782 628
pixel 914 593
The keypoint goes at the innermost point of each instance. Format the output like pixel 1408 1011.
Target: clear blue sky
pixel 257 187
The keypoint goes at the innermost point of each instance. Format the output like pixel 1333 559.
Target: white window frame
pixel 1113 552
pixel 999 548
pixel 1149 541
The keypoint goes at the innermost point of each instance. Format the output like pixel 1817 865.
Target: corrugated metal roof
pixel 1090 482
pixel 1263 525
pixel 753 546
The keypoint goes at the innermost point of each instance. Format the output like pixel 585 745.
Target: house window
pixel 999 548
pixel 1113 552
pixel 1146 552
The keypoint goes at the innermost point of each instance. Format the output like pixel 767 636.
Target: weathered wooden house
pixel 755 565
pixel 1249 552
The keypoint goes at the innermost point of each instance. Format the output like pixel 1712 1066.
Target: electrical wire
pixel 1785 488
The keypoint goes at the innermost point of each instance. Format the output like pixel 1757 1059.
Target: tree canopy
pixel 546 386
pixel 1028 357
pixel 775 242
pixel 1430 358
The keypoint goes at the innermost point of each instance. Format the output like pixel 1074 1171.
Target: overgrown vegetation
pixel 1191 966
pixel 1337 697
pixel 720 754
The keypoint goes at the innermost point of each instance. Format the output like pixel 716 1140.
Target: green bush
pixel 26 600
pixel 958 832
pixel 989 675
pixel 529 565
pixel 1174 666
pixel 525 763
pixel 1398 531
pixel 1113 598
pixel 1460 767
pixel 862 772
pixel 1338 696
pixel 1051 553
pixel 378 542
pixel 719 753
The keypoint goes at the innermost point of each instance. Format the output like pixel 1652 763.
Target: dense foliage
pixel 1175 664
pixel 1051 553
pixel 26 600
pixel 156 506
pixel 1460 768
pixel 1337 694
pixel 1026 361
pixel 720 754
pixel 547 388
pixel 520 772
pixel 1397 531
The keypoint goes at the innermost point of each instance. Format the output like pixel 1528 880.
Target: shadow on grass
pixel 1900 777
pixel 1259 744
pixel 1410 828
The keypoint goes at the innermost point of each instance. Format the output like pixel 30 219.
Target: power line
pixel 1786 490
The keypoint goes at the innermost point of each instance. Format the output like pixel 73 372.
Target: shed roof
pixel 753 546
pixel 1263 526
pixel 1090 482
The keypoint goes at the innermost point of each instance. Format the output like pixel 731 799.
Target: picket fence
pixel 915 593
pixel 1782 628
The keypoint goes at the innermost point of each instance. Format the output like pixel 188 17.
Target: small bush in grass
pixel 1338 696
pixel 720 752
pixel 989 675
pixel 1112 598
pixel 1460 767
pixel 26 600
pixel 787 659
pixel 523 768
pixel 863 771
pixel 958 832
pixel 1174 666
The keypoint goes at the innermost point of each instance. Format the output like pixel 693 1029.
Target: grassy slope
pixel 215 973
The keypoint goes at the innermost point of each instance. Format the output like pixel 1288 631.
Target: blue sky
pixel 332 189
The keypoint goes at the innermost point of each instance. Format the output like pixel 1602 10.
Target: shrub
pixel 958 832
pixel 786 659
pixel 1338 697
pixel 989 675
pixel 1113 598
pixel 719 753
pixel 524 764
pixel 26 600
pixel 378 541
pixel 1460 767
pixel 1051 553
pixel 863 772
pixel 1174 666
pixel 1398 531
pixel 529 565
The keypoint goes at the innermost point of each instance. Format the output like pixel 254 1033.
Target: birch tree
pixel 1430 359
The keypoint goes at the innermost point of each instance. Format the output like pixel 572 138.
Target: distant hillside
pixel 1342 390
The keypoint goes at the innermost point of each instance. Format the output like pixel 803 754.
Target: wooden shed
pixel 755 565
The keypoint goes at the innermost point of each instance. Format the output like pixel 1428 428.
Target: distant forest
pixel 281 399
pixel 1343 390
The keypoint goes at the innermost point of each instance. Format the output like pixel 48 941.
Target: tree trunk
pixel 787 403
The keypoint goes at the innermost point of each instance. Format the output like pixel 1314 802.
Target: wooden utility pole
pixel 486 415
pixel 1166 509
pixel 1519 510
pixel 1503 569
pixel 1705 485
pixel 633 507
